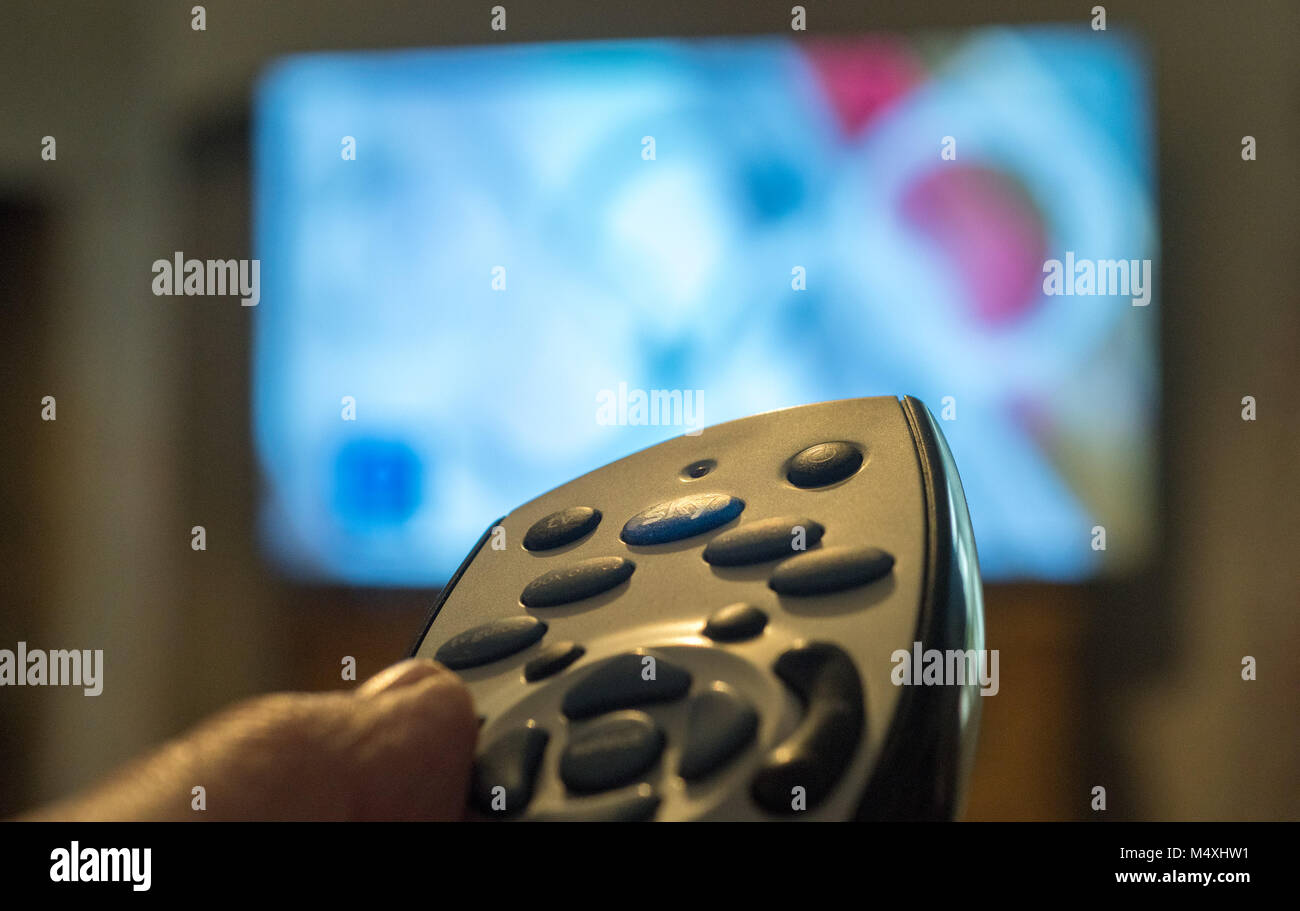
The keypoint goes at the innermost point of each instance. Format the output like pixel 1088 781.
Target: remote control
pixel 710 628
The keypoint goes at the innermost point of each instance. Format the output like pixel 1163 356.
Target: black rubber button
pixel 735 622
pixel 625 681
pixel 635 805
pixel 553 659
pixel 684 517
pixel 766 539
pixel 718 725
pixel 490 642
pixel 560 528
pixel 830 570
pixel 610 752
pixel 816 754
pixel 824 464
pixel 509 763
pixel 576 581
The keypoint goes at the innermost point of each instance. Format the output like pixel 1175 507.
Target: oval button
pixel 552 660
pixel 735 622
pixel 833 569
pixel 490 642
pixel 621 682
pixel 511 764
pixel 684 517
pixel 766 539
pixel 718 725
pixel 560 528
pixel 576 581
pixel 824 464
pixel 611 752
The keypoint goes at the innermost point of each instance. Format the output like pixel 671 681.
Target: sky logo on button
pixel 673 520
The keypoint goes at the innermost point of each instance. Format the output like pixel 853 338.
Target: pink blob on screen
pixel 863 78
pixel 990 230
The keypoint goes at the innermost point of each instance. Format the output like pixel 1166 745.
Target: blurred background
pixel 328 538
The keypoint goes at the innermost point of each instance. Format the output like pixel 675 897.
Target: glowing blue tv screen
pixel 486 271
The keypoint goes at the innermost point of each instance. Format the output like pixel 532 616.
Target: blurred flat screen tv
pixel 476 261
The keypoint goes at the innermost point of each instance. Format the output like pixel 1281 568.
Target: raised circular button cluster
pixel 613 740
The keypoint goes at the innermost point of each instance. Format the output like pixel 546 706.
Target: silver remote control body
pixel 712 628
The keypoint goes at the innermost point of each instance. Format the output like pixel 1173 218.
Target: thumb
pixel 405 749
pixel 399 747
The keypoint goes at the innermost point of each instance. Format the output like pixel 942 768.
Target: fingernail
pixel 404 673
